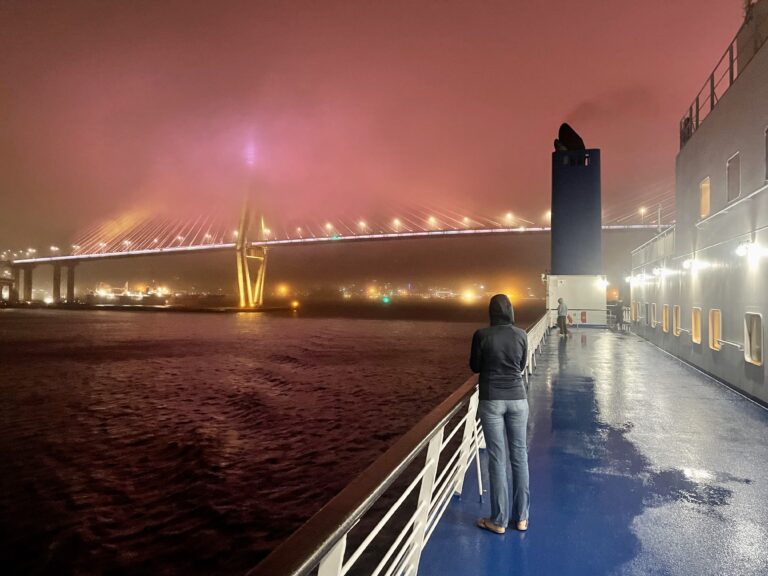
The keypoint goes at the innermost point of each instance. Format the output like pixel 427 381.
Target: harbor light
pixel 468 296
pixel 385 299
pixel 295 304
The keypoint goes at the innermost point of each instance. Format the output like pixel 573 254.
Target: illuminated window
pixel 733 171
pixel 715 330
pixel 704 189
pixel 676 320
pixel 753 339
pixel 696 325
pixel 665 317
pixel 653 315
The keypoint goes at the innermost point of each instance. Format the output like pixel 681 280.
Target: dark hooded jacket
pixel 499 354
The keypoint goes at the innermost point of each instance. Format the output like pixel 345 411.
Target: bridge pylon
pixel 251 261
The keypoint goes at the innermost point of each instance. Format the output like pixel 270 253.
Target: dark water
pixel 194 443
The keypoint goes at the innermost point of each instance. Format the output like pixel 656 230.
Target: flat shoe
pixel 522 526
pixel 486 524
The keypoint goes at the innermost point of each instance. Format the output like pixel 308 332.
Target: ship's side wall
pixel 700 264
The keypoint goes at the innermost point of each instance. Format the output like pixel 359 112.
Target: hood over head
pixel 500 310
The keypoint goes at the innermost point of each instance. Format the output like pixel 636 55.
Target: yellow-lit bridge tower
pixel 250 292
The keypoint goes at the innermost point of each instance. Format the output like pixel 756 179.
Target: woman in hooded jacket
pixel 499 355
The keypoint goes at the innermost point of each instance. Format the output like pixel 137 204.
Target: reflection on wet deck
pixel 639 465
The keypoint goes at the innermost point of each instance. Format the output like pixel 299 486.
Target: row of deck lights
pixel 752 251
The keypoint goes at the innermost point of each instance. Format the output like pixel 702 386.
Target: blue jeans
pixel 506 420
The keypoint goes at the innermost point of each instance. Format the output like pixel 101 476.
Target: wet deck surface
pixel 639 465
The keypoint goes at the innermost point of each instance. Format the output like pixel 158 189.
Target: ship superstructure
pixel 700 288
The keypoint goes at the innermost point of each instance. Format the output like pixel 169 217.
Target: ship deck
pixel 639 464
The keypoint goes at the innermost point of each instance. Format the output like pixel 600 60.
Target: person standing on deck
pixel 562 317
pixel 499 354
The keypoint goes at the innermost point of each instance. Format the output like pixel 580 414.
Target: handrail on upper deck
pixel 730 66
pixel 321 541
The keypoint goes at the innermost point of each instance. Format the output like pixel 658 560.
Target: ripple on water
pixel 171 443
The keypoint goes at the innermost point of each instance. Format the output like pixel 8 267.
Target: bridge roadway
pixel 230 246
pixel 639 465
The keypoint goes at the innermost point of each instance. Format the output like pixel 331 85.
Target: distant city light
pixel 48 300
pixel 54 248
pixel 235 233
pixel 509 216
pixel 468 296
pixel 396 223
pixel 207 236
pixel 548 215
pixel 295 304
pixel 127 242
pixel 362 225
pixel 180 238
pixel 385 299
pixel 465 220
pixel 432 220
pixel 328 226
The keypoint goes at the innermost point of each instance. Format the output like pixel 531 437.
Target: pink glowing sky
pixel 346 108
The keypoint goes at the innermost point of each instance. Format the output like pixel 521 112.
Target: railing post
pixel 711 91
pixel 466 442
pixel 696 125
pixel 333 561
pixel 424 503
pixel 731 75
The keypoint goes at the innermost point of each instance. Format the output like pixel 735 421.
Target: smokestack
pixel 576 211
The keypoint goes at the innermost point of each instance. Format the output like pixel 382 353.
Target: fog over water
pixel 193 443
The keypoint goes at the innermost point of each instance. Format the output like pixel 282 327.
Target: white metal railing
pixel 322 542
pixel 727 69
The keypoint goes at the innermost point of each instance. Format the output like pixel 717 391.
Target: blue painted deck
pixel 639 465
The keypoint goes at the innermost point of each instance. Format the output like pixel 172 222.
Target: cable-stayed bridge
pixel 250 241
